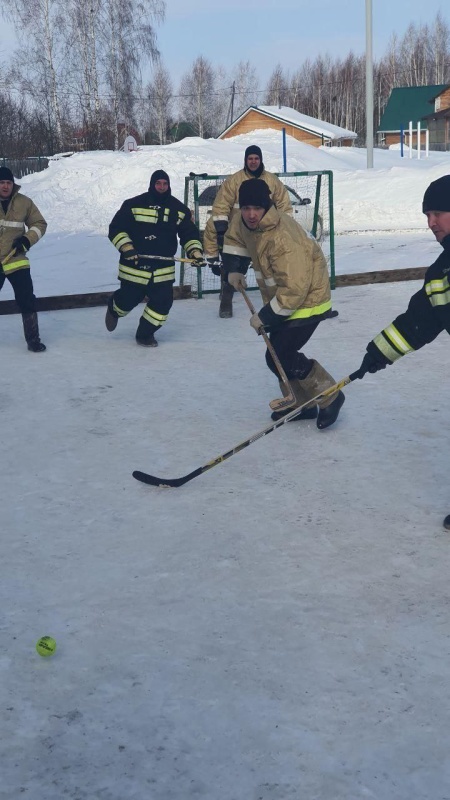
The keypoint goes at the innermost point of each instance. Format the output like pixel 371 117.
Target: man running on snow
pixel 150 224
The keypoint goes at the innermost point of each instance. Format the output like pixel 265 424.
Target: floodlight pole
pixel 369 85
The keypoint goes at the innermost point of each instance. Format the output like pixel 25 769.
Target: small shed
pixel 300 126
pixel 439 120
pixel 406 104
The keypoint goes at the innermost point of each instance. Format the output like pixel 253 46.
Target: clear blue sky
pixel 266 32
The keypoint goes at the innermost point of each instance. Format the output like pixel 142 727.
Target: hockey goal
pixel 311 196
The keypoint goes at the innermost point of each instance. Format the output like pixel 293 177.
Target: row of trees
pixel 79 79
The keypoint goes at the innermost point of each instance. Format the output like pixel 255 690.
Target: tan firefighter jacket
pixel 227 203
pixel 22 217
pixel 289 266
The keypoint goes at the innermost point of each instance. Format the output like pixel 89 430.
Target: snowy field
pixel 378 219
pixel 277 629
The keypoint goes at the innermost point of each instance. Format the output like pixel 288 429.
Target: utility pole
pixel 233 89
pixel 369 85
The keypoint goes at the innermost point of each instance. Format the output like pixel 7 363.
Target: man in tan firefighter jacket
pixel 292 275
pixel 428 312
pixel 149 225
pixel 21 226
pixel 226 205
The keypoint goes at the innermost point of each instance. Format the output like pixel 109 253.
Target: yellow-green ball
pixel 46 646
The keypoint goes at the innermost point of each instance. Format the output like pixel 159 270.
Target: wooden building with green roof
pixel 407 104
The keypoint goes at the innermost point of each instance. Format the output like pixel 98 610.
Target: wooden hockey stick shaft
pixel 289 399
pixel 174 258
pixel 10 255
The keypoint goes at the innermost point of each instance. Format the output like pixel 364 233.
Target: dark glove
pixel 221 226
pixel 21 244
pixel 373 361
pixel 129 253
pixel 215 266
pixel 198 259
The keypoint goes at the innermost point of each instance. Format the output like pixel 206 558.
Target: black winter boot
pixel 307 413
pixel 31 331
pixel 446 523
pixel 149 341
pixel 330 414
pixel 111 318
pixel 226 301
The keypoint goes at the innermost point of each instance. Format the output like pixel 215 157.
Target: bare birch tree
pixel 197 100
pixel 160 102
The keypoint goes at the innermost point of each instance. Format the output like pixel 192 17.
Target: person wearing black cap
pixel 428 312
pixel 149 225
pixel 227 203
pixel 292 275
pixel 21 226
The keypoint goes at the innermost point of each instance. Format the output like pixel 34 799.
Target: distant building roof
pixel 293 117
pixel 408 104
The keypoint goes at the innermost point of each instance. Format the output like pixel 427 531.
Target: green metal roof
pixel 409 103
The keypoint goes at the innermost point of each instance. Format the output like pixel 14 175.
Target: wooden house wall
pixel 255 121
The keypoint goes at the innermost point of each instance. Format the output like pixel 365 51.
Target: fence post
pixel 419 143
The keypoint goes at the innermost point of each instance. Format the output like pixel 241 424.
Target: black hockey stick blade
pixel 170 483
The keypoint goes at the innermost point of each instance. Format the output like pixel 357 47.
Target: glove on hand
pixel 256 323
pixel 129 253
pixel 21 244
pixel 198 259
pixel 215 266
pixel 237 280
pixel 373 361
pixel 221 226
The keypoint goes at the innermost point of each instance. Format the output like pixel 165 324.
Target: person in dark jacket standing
pixel 146 225
pixel 21 226
pixel 428 312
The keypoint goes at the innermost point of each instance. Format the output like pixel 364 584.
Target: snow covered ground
pixel 277 629
pixel 378 218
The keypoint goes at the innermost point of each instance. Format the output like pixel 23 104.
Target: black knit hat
pixel 6 174
pixel 254 192
pixel 159 175
pixel 437 196
pixel 253 150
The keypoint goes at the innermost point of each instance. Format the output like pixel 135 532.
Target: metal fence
pixel 24 166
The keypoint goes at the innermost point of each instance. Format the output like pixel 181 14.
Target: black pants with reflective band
pixel 287 341
pixel 22 285
pixel 159 302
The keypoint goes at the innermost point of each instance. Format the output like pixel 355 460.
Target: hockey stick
pixel 175 258
pixel 169 483
pixel 290 399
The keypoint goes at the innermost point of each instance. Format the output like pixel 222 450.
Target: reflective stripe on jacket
pixel 289 265
pixel 22 217
pixel 227 203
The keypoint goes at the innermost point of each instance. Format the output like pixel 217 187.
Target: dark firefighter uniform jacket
pixel 22 217
pixel 428 314
pixel 153 229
